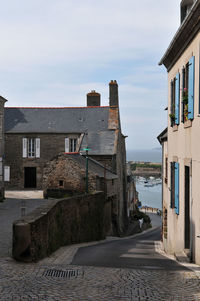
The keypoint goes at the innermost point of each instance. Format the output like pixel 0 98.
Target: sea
pixel 149 189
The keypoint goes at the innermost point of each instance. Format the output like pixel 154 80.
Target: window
pixel 188 91
pixel 175 186
pixel 172 106
pixel 61 183
pixel 175 100
pixel 70 145
pixel 31 147
pixel 166 170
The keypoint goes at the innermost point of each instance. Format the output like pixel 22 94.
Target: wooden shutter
pixel 171 100
pixel 191 89
pixel 24 147
pixel 177 98
pixel 172 185
pixel 183 86
pixel 67 145
pixel 7 173
pixel 177 188
pixel 37 147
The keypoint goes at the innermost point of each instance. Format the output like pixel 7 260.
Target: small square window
pixel 61 183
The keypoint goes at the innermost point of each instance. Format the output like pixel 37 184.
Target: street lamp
pixel 86 169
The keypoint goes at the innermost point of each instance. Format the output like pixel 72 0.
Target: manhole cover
pixel 53 273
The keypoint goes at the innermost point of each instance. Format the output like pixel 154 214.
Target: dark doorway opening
pixel 187 207
pixel 29 177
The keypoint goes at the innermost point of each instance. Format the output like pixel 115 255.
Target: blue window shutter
pixel 177 98
pixel 191 89
pixel 171 101
pixel 171 98
pixel 183 86
pixel 177 188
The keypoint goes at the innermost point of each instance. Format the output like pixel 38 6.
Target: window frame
pixel 31 147
pixel 175 184
pixel 72 145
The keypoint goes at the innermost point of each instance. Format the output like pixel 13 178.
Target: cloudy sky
pixel 53 52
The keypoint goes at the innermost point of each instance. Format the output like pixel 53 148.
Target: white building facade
pixel 181 187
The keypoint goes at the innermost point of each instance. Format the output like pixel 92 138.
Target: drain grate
pixel 61 273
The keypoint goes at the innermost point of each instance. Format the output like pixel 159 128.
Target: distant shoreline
pixel 148 155
pixel 145 169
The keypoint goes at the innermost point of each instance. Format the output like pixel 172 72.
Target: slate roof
pixel 93 166
pixel 96 121
pixel 100 142
pixel 56 120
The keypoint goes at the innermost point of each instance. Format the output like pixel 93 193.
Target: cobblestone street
pixel 31 282
pixel 60 277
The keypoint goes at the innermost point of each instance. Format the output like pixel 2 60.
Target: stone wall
pixel 122 182
pixel 59 223
pixel 63 173
pixel 50 146
pixel 2 141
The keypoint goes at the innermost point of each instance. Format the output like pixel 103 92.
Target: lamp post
pixel 86 170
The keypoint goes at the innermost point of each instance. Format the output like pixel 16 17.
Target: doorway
pixel 187 207
pixel 29 177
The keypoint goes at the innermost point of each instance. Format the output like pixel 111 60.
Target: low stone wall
pixel 58 223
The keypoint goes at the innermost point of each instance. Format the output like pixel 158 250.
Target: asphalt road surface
pixel 133 253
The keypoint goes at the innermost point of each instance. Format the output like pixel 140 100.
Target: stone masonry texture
pixel 50 146
pixel 57 223
pixel 72 175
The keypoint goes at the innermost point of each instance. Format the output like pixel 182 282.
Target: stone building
pixel 33 136
pixel 181 150
pixel 66 173
pixel 65 176
pixel 132 194
pixel 2 142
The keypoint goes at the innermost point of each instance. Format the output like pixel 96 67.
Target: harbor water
pixel 149 191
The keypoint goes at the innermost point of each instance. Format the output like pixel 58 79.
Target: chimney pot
pixel 93 99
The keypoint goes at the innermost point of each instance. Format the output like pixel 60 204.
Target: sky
pixel 53 53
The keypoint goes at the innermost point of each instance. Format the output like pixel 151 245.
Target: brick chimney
pixel 93 99
pixel 2 142
pixel 113 93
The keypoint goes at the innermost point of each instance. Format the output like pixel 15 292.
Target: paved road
pixel 130 253
pixel 116 270
pixel 10 210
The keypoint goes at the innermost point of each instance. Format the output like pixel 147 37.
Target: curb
pixel 191 266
